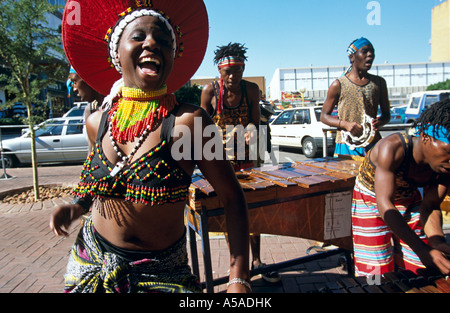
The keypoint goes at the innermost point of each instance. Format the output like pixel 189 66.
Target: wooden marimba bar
pixel 288 200
pixel 394 282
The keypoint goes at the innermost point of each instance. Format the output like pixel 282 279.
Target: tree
pixel 440 86
pixel 32 51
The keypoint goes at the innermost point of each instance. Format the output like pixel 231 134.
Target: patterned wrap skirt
pixel 92 269
pixel 376 249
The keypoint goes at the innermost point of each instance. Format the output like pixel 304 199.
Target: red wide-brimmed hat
pixel 87 27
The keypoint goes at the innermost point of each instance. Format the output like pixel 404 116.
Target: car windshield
pixel 50 128
pixel 399 110
pixel 284 118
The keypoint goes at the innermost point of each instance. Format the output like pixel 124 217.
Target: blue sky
pixel 298 33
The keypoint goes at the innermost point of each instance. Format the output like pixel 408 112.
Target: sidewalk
pixel 33 260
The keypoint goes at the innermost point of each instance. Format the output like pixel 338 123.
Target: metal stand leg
pixel 194 256
pixel 206 251
pixel 350 265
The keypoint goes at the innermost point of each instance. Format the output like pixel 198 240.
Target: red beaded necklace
pixel 137 110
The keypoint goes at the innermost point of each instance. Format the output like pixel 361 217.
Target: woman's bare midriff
pixel 137 226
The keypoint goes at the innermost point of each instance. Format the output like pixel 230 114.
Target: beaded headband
pixel 230 61
pixel 113 35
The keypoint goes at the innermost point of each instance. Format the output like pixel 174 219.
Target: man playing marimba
pixel 394 226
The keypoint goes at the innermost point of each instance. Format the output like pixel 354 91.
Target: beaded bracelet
pixel 85 203
pixel 239 281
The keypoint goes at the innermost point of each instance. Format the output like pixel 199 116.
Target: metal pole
pixel 4 176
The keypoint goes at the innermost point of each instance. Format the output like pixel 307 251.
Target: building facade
pixel 401 79
pixel 440 32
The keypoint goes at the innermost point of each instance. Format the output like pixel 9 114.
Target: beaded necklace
pixel 136 109
pixel 133 116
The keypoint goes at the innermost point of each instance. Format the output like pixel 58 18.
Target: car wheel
pixel 9 161
pixel 309 148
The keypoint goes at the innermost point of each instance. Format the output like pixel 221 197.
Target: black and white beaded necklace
pixel 126 158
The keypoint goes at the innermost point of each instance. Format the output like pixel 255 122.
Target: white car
pixel 301 128
pixel 277 112
pixel 57 140
pixel 77 110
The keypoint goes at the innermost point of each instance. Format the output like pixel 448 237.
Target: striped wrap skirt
pixel 376 249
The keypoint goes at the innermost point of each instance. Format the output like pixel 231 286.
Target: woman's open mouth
pixel 149 66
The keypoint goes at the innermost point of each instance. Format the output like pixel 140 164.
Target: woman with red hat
pixel 139 52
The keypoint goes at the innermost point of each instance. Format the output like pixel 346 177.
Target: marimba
pixel 394 282
pixel 310 199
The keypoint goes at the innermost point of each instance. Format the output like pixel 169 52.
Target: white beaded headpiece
pixel 114 34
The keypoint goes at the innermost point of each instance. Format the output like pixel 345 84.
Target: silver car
pixel 57 140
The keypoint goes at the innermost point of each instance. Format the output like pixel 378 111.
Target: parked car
pixel 301 127
pixel 400 110
pixel 274 115
pixel 57 140
pixel 77 110
pixel 421 100
pixel 395 117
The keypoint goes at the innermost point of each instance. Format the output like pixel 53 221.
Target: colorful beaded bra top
pixel 154 178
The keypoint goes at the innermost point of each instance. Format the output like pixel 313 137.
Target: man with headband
pixel 394 226
pixel 357 94
pixel 234 102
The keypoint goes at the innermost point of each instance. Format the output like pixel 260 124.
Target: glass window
pixel 52 128
pixel 318 112
pixel 430 99
pixel 302 117
pixel 415 102
pixel 75 127
pixel 75 112
pixel 284 118
pixel 444 96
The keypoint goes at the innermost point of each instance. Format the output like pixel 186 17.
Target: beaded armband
pixel 85 203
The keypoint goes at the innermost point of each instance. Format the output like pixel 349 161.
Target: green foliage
pixel 11 121
pixel 32 52
pixel 440 86
pixel 30 49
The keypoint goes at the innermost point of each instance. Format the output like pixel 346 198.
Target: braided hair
pixel 436 115
pixel 232 49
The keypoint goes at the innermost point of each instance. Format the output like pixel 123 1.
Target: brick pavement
pixel 33 260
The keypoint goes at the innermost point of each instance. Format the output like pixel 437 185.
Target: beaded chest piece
pixel 133 116
pixel 154 178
